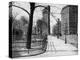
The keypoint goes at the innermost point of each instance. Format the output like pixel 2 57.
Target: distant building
pixel 45 20
pixel 69 19
pixel 42 24
pixel 46 17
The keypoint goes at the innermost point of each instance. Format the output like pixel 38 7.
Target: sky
pixel 55 9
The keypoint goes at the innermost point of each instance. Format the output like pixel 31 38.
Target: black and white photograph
pixel 42 29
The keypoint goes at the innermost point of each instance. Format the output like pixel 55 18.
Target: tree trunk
pixel 32 7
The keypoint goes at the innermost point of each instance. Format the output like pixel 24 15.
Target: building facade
pixel 69 19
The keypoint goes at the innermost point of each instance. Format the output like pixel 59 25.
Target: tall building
pixel 69 19
pixel 46 18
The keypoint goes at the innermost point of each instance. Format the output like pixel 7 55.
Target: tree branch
pixel 20 8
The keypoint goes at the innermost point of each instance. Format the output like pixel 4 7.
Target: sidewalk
pixel 72 39
pixel 57 47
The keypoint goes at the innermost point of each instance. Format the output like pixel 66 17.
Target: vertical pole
pixel 32 7
pixel 10 31
pixel 65 33
pixel 48 19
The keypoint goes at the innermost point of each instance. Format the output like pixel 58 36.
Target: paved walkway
pixel 72 39
pixel 57 47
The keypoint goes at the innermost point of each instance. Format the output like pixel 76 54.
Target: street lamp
pixel 65 32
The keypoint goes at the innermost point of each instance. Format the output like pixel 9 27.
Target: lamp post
pixel 65 32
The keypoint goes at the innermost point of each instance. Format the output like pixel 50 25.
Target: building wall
pixel 73 17
pixel 70 16
pixel 65 21
pixel 69 19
